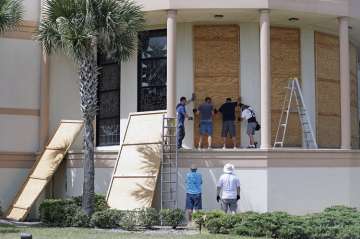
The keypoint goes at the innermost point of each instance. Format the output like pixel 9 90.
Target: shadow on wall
pixel 144 192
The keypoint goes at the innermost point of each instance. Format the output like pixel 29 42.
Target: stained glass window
pixel 152 70
pixel 108 115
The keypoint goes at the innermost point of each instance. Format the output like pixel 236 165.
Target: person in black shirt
pixel 228 115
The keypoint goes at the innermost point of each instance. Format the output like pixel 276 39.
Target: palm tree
pixel 82 29
pixel 11 14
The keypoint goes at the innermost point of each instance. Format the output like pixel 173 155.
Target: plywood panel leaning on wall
pixel 354 98
pixel 327 90
pixel 285 64
pixel 217 71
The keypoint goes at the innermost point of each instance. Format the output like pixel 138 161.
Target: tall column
pixel 171 63
pixel 265 79
pixel 44 93
pixel 44 100
pixel 345 83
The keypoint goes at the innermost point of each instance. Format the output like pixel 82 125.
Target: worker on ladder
pixel 248 113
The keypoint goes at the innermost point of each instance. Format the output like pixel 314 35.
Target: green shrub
pixel 109 218
pixel 349 232
pixel 129 220
pixel 293 229
pixel 172 217
pixel 80 219
pixel 58 212
pixel 148 217
pixel 100 202
pixel 198 218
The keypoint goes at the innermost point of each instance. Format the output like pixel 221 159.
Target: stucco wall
pixel 19 93
pixel 303 190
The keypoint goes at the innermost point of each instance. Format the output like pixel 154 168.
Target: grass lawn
pixel 81 233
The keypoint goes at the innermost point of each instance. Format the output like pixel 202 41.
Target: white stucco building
pixel 229 48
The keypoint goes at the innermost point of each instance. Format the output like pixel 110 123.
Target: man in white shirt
pixel 249 114
pixel 229 187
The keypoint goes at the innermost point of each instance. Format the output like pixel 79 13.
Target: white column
pixel 265 79
pixel 171 63
pixel 345 83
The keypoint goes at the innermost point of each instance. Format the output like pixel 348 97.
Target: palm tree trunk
pixel 88 98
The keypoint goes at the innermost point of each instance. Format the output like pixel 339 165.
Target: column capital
pixel 264 11
pixel 171 12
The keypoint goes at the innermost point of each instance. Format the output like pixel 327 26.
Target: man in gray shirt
pixel 206 111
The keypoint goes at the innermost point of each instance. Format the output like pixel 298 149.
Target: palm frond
pixel 118 22
pixel 11 14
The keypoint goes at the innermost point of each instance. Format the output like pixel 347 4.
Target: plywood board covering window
pixel 354 98
pixel 327 90
pixel 285 64
pixel 216 71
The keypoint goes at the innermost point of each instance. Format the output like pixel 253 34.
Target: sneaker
pixel 251 147
pixel 235 147
pixel 209 147
pixel 224 147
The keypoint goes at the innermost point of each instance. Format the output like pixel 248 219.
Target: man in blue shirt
pixel 181 115
pixel 193 182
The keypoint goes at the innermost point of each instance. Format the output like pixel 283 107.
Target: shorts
pixel 206 127
pixel 193 201
pixel 251 126
pixel 229 205
pixel 228 127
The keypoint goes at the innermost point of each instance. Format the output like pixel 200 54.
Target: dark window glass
pixel 152 70
pixel 108 115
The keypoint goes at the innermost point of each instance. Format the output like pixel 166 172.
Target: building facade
pixel 229 48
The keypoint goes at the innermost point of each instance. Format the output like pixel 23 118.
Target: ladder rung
pixel 278 142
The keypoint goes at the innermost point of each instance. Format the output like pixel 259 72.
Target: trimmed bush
pixel 109 218
pixel 58 212
pixel 129 220
pixel 100 202
pixel 336 222
pixel 80 219
pixel 172 217
pixel 148 217
pixel 199 218
pixel 349 232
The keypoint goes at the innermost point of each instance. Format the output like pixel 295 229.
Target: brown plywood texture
pixel 354 98
pixel 285 64
pixel 327 90
pixel 44 168
pixel 216 71
pixel 136 171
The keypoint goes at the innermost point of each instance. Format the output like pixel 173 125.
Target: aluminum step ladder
pixel 169 164
pixel 293 90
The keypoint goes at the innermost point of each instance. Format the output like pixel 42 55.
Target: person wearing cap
pixel 229 187
pixel 193 182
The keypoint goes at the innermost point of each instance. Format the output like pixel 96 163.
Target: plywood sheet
pixel 216 71
pixel 327 90
pixel 143 129
pixel 285 64
pixel 354 98
pixel 43 169
pixel 137 168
